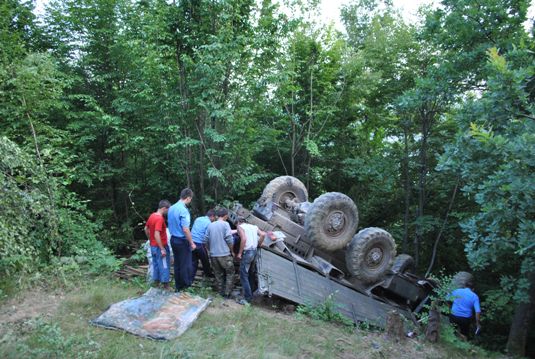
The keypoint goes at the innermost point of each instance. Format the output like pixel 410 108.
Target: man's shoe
pixel 243 302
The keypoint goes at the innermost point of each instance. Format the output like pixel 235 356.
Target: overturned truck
pixel 316 253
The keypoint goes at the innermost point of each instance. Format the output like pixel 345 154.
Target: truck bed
pixel 284 277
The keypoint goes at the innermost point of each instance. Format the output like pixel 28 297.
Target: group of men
pixel 209 241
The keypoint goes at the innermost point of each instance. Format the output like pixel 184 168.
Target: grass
pixel 224 330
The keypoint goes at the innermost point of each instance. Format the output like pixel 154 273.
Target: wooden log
pixel 432 332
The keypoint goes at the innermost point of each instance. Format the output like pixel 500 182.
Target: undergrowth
pixel 326 311
pixel 64 272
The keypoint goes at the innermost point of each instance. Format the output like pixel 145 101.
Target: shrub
pixel 326 311
pixel 41 219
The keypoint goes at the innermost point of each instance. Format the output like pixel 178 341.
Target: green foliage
pixel 204 289
pixel 466 29
pixel 28 237
pixel 498 303
pixel 440 298
pixel 48 340
pixel 326 311
pixel 494 156
pixel 24 205
pixel 140 255
pixel 448 334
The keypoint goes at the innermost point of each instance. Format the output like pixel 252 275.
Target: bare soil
pixel 29 305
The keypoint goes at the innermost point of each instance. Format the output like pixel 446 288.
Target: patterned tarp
pixel 157 314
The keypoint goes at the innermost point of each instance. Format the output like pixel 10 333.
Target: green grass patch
pixel 224 330
pixel 327 312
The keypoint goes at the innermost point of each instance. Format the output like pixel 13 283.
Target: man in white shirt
pixel 251 237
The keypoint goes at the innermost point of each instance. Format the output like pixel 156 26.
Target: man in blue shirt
pixel 465 302
pixel 199 253
pixel 181 241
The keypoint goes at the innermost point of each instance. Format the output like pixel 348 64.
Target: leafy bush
pixel 41 219
pixel 326 311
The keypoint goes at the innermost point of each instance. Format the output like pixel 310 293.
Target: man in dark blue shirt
pixel 465 303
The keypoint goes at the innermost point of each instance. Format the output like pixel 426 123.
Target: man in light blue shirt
pixel 465 303
pixel 200 253
pixel 181 240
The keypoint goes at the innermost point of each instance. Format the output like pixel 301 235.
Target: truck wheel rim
pixel 335 224
pixel 374 257
pixel 286 196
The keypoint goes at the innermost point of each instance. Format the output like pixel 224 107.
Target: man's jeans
pixel 182 265
pixel 247 260
pixel 160 265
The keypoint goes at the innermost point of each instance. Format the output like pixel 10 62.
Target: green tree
pixel 163 96
pixel 41 219
pixel 493 154
pixel 394 106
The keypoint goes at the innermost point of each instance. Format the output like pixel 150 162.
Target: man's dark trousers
pixel 182 265
pixel 199 253
pixel 462 323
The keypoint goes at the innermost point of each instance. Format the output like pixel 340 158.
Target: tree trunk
pixel 201 179
pixel 54 224
pixel 309 131
pixel 516 343
pixel 406 189
pixel 432 331
pixel 435 246
pixel 292 156
pixel 421 186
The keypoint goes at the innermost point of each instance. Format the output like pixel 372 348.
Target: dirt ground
pixel 28 305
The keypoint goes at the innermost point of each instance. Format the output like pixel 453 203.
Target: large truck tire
pixel 403 263
pixel 283 188
pixel 370 254
pixel 331 221
pixel 462 280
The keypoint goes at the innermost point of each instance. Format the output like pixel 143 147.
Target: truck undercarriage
pixel 312 254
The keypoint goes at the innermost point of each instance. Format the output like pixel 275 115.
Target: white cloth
pixel 146 246
pixel 251 235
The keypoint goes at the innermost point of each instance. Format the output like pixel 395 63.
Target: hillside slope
pixel 41 323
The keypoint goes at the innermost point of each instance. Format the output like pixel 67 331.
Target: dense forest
pixel 108 106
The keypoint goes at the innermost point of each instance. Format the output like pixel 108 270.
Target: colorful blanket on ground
pixel 157 314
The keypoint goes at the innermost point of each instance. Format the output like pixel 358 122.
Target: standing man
pixel 199 253
pixel 251 238
pixel 465 302
pixel 181 241
pixel 219 240
pixel 155 229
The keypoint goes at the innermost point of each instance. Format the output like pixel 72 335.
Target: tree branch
pixel 435 246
